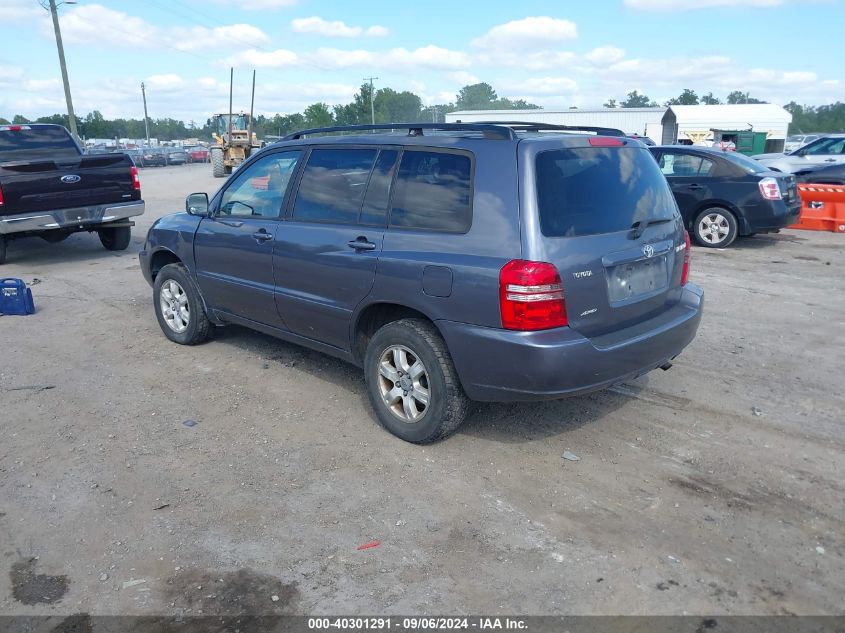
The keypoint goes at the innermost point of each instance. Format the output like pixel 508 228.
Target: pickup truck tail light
pixel 1 196
pixel 531 296
pixel 687 256
pixel 769 188
pixel 136 181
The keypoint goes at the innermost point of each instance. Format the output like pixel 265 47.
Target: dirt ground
pixel 714 488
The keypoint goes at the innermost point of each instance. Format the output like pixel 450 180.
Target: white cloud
pixel 260 5
pixel 10 73
pixel 684 5
pixel 169 81
pixel 20 11
pixel 427 57
pixel 534 61
pixel 531 32
pixel 335 28
pixel 800 77
pixel 462 77
pixel 253 58
pixel 605 55
pixel 199 37
pixel 542 86
pixel 95 23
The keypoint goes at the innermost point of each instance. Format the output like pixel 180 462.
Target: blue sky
pixel 556 54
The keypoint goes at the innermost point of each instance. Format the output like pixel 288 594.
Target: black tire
pixel 447 405
pixel 218 169
pixel 115 238
pixel 715 227
pixel 3 242
pixel 198 327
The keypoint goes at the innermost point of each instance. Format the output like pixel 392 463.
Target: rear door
pixel 603 214
pixel 233 249
pixel 326 254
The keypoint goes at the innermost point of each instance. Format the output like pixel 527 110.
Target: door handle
pixel 830 160
pixel 694 186
pixel 262 236
pixel 361 244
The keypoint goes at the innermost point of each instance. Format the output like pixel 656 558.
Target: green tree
pixel 709 99
pixel 20 119
pixel 318 115
pixel 480 96
pixel 737 96
pixel 636 100
pixel 611 103
pixel 397 107
pixel 687 97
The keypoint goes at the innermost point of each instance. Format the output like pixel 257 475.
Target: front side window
pixel 333 185
pixel 433 192
pixel 259 189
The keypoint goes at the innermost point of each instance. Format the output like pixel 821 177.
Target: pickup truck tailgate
pixel 65 181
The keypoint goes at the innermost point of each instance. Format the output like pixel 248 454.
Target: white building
pixel 629 120
pixel 698 122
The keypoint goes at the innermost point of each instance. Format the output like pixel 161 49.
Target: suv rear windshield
pixel 591 190
pixel 36 140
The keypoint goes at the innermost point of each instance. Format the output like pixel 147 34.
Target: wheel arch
pixel 161 258
pixel 376 315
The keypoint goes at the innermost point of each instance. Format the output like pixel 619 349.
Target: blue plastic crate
pixel 15 297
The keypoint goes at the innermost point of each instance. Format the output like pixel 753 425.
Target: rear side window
pixel 36 139
pixel 374 210
pixel 684 165
pixel 591 190
pixel 333 185
pixel 433 192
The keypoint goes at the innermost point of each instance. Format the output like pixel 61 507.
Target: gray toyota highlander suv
pixel 452 262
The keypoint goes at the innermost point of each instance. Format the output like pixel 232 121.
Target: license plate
pixel 637 278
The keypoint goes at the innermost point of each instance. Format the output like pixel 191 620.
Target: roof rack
pixel 530 126
pixel 489 131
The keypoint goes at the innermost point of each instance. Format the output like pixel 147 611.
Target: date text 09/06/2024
pixel 416 623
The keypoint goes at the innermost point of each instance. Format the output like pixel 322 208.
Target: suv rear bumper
pixel 506 366
pixel 78 218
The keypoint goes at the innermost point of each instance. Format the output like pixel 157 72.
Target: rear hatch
pixel 606 218
pixel 41 169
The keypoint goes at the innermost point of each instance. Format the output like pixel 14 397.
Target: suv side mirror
pixel 197 204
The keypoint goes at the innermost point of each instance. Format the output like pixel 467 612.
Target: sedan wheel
pixel 715 228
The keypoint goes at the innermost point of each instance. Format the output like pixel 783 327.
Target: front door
pixel 234 247
pixel 689 178
pixel 326 254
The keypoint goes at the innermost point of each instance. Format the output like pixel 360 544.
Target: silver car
pixel 828 150
pixel 797 141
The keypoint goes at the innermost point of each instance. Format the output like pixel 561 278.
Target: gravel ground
pixel 714 488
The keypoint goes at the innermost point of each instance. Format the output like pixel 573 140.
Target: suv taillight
pixel 769 188
pixel 687 256
pixel 531 296
pixel 136 181
pixel 1 195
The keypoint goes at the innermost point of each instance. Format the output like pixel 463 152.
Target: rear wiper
pixel 639 227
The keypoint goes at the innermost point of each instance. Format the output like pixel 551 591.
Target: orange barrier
pixel 822 208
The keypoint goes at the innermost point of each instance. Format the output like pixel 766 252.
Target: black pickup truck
pixel 49 188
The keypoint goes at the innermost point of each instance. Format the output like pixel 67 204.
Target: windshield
pixel 748 164
pixel 590 190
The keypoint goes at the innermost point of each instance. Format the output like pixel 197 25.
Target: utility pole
pixel 146 118
pixel 372 98
pixel 71 117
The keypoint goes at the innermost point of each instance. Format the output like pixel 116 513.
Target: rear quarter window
pixel 592 190
pixel 433 192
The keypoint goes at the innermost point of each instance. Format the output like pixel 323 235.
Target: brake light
pixel 136 181
pixel 687 256
pixel 769 188
pixel 1 195
pixel 14 128
pixel 531 296
pixel 606 141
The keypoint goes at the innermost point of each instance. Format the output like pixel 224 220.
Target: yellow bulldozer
pixel 233 135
